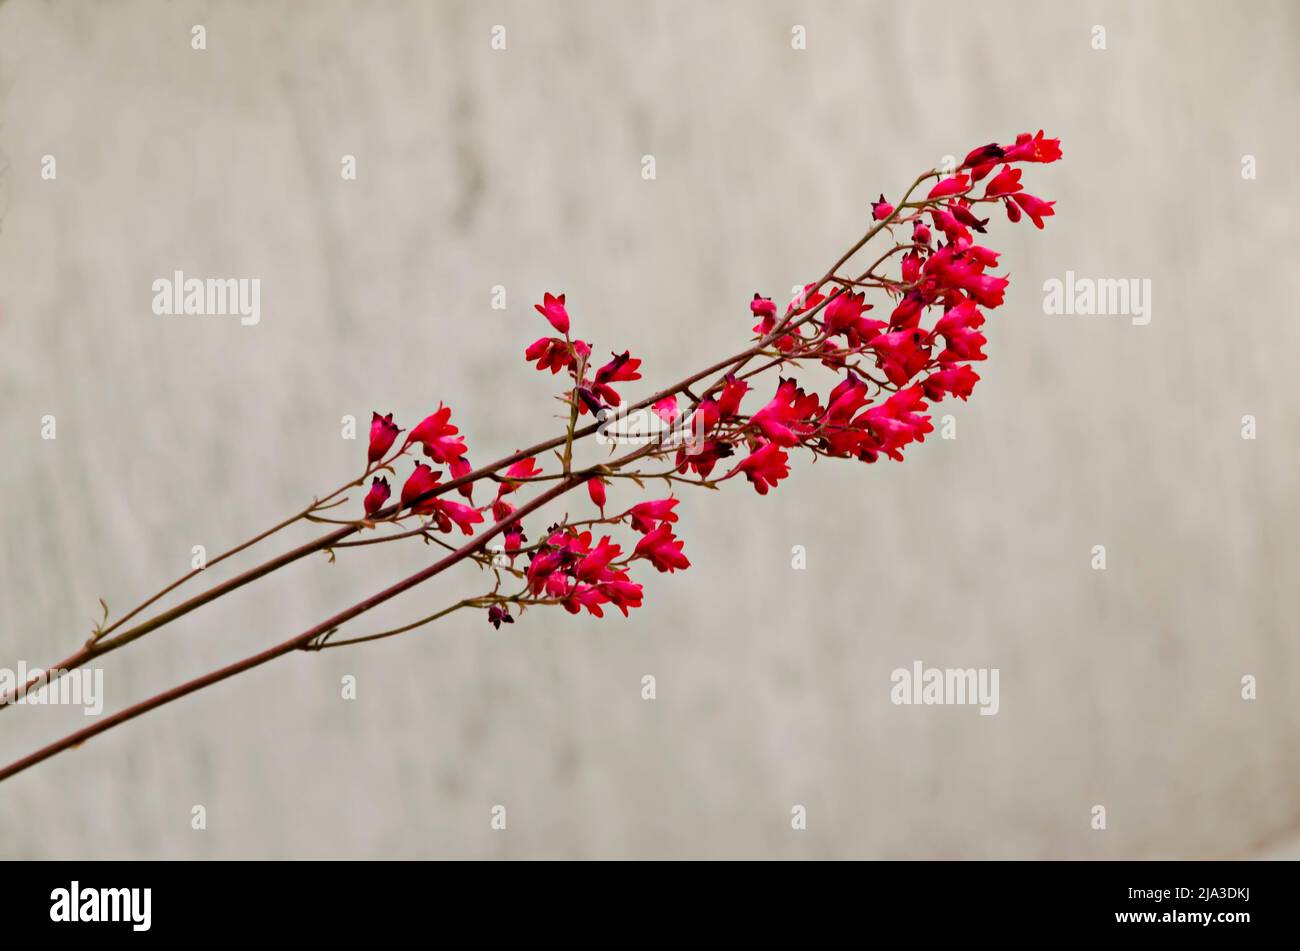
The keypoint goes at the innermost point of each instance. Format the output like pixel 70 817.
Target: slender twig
pixel 292 644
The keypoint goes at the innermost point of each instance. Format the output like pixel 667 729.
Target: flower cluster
pixel 888 370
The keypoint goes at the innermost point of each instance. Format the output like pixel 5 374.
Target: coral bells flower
pixel 764 308
pixel 701 460
pixel 901 354
pixel 377 496
pixel 621 369
pixel 1033 149
pixel 732 393
pixel 950 186
pixel 957 380
pixel 842 313
pixel 764 467
pixel 805 300
pixel 438 436
pixel 550 353
pixel 422 481
pixel 958 326
pixel 666 409
pixel 446 513
pixel 552 308
pixel 460 467
pixel 647 515
pixel 662 549
pixel 382 433
pixel 621 592
pixel 1035 208
pixel 1006 182
pixel 594 562
pixel 497 615
pixel 984 155
pixel 596 490
pixel 1026 148
pixel 779 418
pixel 880 210
pixel 898 421
pixel 523 469
pixel 585 596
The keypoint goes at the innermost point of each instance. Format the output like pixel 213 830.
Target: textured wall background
pixel 522 168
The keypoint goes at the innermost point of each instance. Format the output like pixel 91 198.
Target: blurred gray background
pixel 522 168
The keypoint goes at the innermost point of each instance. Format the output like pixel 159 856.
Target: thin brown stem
pixel 292 644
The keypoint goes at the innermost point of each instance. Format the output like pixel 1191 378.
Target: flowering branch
pixel 886 370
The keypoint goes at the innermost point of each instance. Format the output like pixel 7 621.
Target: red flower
pixel 523 469
pixel 777 417
pixel 706 416
pixel 596 489
pixel 446 512
pixel 986 289
pixel 438 436
pixel 950 186
pixel 585 596
pixel 984 155
pixel 908 312
pixel 842 313
pixel 540 569
pixel 1026 149
pixel 957 380
pixel 621 369
pixel 593 564
pixel 764 467
pixel 763 308
pixel 550 353
pixel 666 409
pixel 377 496
pixel 901 354
pixel 552 308
pixel 621 592
pixel 911 265
pixel 382 433
pixel 646 515
pixel 733 391
pixel 897 422
pixel 662 549
pixel 702 460
pixel 849 396
pixel 421 481
pixel 1006 182
pixel 1035 208
pixel 958 326
pixel 880 210
pixel 807 299
pixel 962 213
pixel 460 467
pixel 1035 149
pixel 952 229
